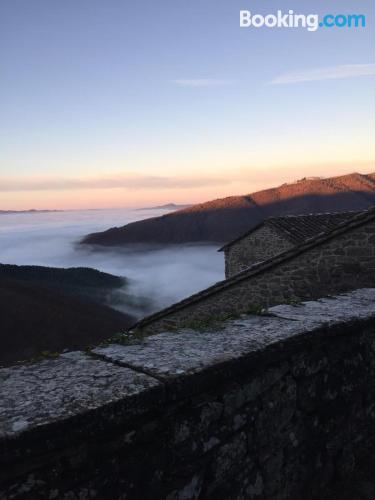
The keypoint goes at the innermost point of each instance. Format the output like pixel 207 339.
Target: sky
pixel 109 103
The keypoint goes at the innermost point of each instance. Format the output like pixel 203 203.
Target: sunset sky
pixel 125 103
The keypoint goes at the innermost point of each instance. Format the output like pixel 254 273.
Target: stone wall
pixel 266 408
pixel 261 244
pixel 343 262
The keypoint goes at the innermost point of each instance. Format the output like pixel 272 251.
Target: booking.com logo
pixel 311 22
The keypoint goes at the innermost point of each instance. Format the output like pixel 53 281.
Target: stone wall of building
pixel 266 408
pixel 344 262
pixel 262 244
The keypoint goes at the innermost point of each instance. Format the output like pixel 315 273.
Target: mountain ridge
pixel 223 219
pixel 167 206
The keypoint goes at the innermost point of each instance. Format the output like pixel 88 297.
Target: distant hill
pixel 225 219
pixel 81 282
pixel 49 309
pixel 31 211
pixel 168 206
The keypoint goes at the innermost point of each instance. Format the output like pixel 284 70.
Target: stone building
pixel 334 261
pixel 276 235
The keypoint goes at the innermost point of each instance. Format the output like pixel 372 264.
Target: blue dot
pixel 321 24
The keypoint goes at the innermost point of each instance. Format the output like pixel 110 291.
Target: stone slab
pixel 52 390
pixel 346 307
pixel 171 354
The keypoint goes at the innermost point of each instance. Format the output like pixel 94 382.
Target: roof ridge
pixel 314 214
pixel 274 219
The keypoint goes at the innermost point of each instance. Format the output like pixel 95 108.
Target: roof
pixel 355 221
pixel 300 228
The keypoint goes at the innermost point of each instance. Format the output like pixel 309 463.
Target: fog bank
pixel 157 276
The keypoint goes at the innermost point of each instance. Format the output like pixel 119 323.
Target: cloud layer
pixel 126 181
pixel 328 73
pixel 49 240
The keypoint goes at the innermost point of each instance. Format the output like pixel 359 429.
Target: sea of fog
pixel 157 276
